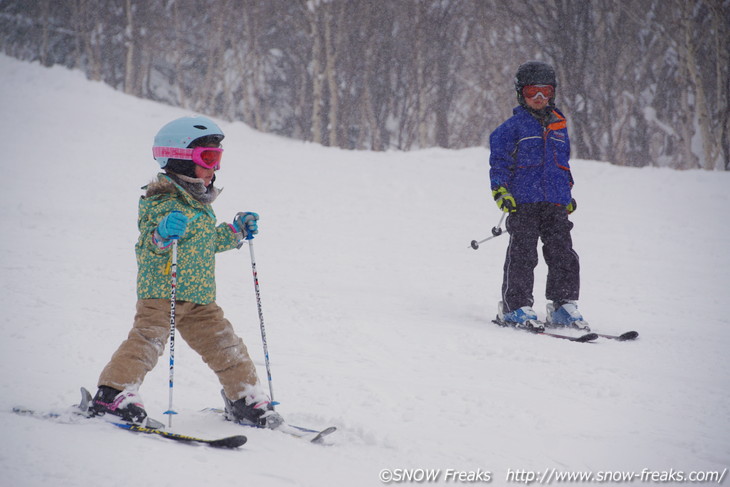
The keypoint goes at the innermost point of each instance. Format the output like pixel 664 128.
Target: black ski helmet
pixel 534 73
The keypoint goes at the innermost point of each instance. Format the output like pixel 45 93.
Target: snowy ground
pixel 377 311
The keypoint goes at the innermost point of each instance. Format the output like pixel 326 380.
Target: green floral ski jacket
pixel 196 249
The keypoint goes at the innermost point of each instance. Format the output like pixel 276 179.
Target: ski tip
pixel 319 438
pixel 588 337
pixel 629 335
pixel 230 442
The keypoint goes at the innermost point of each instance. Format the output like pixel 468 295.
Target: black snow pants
pixel 548 222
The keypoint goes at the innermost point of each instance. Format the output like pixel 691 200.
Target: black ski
pixel 538 328
pixel 587 337
pixel 629 335
pixel 80 412
pixel 228 442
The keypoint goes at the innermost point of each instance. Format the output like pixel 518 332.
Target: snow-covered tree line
pixel 642 81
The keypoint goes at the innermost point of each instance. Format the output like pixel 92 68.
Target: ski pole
pixel 496 232
pixel 261 317
pixel 173 291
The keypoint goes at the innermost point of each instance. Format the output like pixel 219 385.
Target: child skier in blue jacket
pixel 531 180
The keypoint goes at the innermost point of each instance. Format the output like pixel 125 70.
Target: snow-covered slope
pixel 377 311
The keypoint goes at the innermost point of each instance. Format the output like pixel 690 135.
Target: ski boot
pixel 253 411
pixel 567 315
pixel 524 318
pixel 124 404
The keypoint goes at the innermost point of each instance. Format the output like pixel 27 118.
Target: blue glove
pixel 173 225
pixel 246 222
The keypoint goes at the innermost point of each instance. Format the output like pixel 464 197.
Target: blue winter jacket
pixel 530 160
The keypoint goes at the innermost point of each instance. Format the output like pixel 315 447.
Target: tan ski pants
pixel 203 327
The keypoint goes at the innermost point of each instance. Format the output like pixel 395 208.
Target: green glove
pixel 505 200
pixel 572 206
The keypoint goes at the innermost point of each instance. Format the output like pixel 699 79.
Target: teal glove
pixel 173 226
pixel 505 200
pixel 246 222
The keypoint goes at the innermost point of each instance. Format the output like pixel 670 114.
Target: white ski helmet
pixel 182 132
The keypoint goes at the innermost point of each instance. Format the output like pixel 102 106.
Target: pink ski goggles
pixel 207 157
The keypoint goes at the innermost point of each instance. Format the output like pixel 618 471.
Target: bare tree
pixel 641 80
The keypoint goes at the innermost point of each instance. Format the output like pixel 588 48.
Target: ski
pixel 310 434
pixel 623 337
pixel 79 413
pixel 539 329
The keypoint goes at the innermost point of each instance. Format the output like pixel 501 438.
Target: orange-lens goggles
pixel 531 91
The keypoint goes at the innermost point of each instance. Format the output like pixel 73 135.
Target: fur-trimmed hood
pixel 159 186
pixel 166 184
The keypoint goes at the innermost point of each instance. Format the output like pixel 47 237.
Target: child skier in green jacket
pixel 178 206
